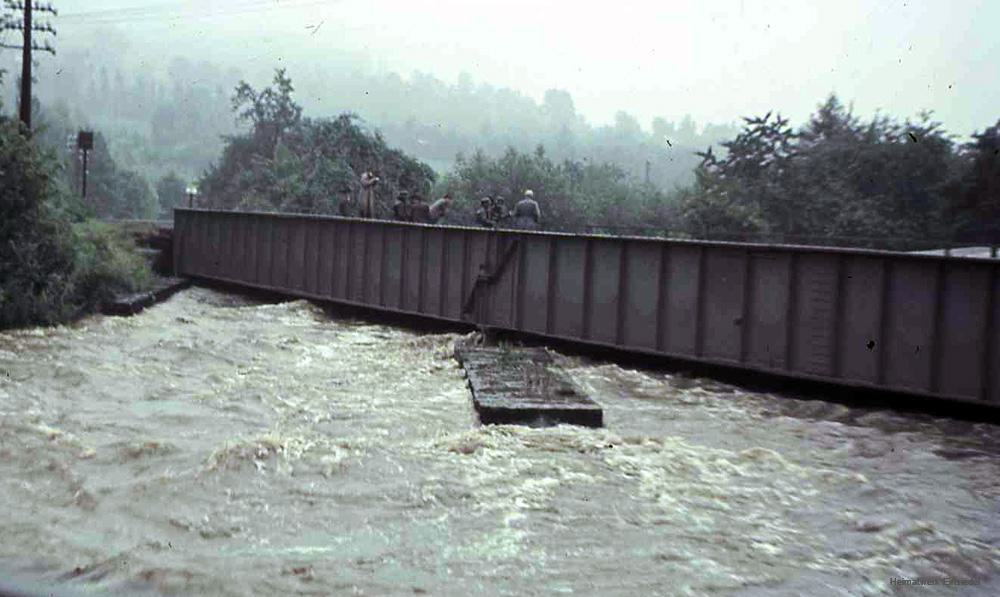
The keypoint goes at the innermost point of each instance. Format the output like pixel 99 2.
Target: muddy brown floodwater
pixel 215 445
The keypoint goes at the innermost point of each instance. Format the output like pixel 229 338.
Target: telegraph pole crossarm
pixel 27 27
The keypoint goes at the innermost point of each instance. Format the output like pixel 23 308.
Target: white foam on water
pixel 249 440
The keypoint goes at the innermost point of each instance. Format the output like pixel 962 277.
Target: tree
pixel 975 197
pixel 558 107
pixel 573 194
pixel 627 128
pixel 663 131
pixel 135 197
pixel 271 112
pixel 290 163
pixel 171 191
pixel 836 176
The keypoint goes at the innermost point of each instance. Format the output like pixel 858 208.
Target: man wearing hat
pixel 527 215
pixel 498 211
pixel 484 215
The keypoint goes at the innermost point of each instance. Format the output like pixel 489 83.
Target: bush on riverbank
pixel 107 264
pixel 51 267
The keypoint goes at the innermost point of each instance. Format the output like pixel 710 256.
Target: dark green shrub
pixel 36 255
pixel 50 268
pixel 106 264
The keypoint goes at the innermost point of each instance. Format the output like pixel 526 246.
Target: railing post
pixel 940 296
pixel 839 313
pixel 404 241
pixel 422 271
pixel 588 269
pixel 522 256
pixel 791 310
pixel 885 305
pixel 465 271
pixel 550 295
pixel 622 315
pixel 443 280
pixel 989 340
pixel 746 307
pixel 662 296
pixel 383 265
pixel 350 259
pixel 699 322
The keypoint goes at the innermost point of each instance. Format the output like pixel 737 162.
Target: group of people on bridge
pixel 526 214
pixel 492 212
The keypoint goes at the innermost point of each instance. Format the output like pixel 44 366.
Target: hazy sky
pixel 716 60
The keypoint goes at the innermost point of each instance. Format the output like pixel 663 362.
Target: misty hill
pixel 170 118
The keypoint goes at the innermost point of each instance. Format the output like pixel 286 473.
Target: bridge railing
pixel 917 323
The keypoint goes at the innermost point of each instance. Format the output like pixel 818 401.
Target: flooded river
pixel 215 445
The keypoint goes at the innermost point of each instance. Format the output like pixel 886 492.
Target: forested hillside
pixel 172 118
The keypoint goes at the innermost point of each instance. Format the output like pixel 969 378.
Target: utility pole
pixel 27 27
pixel 26 69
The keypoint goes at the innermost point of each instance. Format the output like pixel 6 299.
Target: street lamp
pixel 192 190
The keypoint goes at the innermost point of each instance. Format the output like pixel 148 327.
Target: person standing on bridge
pixel 439 208
pixel 346 207
pixel 499 211
pixel 484 215
pixel 527 214
pixel 401 208
pixel 420 212
pixel 368 184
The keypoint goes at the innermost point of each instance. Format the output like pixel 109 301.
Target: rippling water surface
pixel 215 445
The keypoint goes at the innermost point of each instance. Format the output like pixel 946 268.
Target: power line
pixel 171 12
pixel 163 8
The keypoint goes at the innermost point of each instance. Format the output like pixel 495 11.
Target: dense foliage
pixel 837 179
pixel 573 194
pixel 975 200
pixel 290 163
pixel 171 192
pixel 53 265
pixel 839 176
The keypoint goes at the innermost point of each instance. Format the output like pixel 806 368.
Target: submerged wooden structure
pixel 522 386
